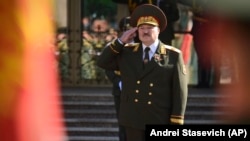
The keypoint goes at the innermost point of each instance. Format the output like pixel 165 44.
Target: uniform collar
pixel 153 46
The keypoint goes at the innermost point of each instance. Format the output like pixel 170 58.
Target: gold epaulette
pixel 172 48
pixel 131 44
pixel 177 119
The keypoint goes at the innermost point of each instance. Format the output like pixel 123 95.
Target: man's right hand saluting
pixel 128 36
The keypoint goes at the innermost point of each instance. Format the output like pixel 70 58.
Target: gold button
pixel 137 91
pixel 150 93
pixel 149 102
pixel 136 100
pixel 138 82
pixel 151 84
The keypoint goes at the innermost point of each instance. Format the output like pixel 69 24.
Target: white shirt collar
pixel 153 46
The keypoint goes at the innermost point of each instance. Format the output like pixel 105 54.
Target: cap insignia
pixel 147 19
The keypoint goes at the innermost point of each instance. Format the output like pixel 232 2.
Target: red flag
pixel 30 101
pixel 186 47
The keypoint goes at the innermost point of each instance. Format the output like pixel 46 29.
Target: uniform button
pixel 149 102
pixel 150 93
pixel 151 84
pixel 137 91
pixel 138 82
pixel 136 100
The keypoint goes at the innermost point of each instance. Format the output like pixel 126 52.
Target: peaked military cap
pixel 148 14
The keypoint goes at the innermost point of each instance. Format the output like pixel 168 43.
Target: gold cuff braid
pixel 111 47
pixel 177 119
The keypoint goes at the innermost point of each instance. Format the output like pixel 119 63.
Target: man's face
pixel 148 33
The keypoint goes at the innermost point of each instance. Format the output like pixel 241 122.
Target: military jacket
pixel 154 95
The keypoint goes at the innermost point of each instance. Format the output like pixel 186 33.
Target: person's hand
pixel 128 35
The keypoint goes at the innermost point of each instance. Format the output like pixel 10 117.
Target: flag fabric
pixel 186 47
pixel 30 108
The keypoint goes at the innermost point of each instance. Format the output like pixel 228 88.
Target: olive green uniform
pixel 154 95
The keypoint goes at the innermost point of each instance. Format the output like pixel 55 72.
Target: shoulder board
pixel 172 48
pixel 131 44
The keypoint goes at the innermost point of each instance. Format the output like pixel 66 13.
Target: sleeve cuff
pixel 116 46
pixel 178 120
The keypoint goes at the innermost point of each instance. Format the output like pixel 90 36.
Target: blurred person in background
pixel 202 40
pixel 94 40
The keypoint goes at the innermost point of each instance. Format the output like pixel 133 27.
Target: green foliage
pixel 105 8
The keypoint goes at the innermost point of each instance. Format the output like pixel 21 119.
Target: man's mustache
pixel 145 34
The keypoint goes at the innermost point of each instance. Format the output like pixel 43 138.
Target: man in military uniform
pixel 153 91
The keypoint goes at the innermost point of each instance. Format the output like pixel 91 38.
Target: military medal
pixel 145 61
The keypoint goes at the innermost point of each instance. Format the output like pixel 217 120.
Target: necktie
pixel 146 57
